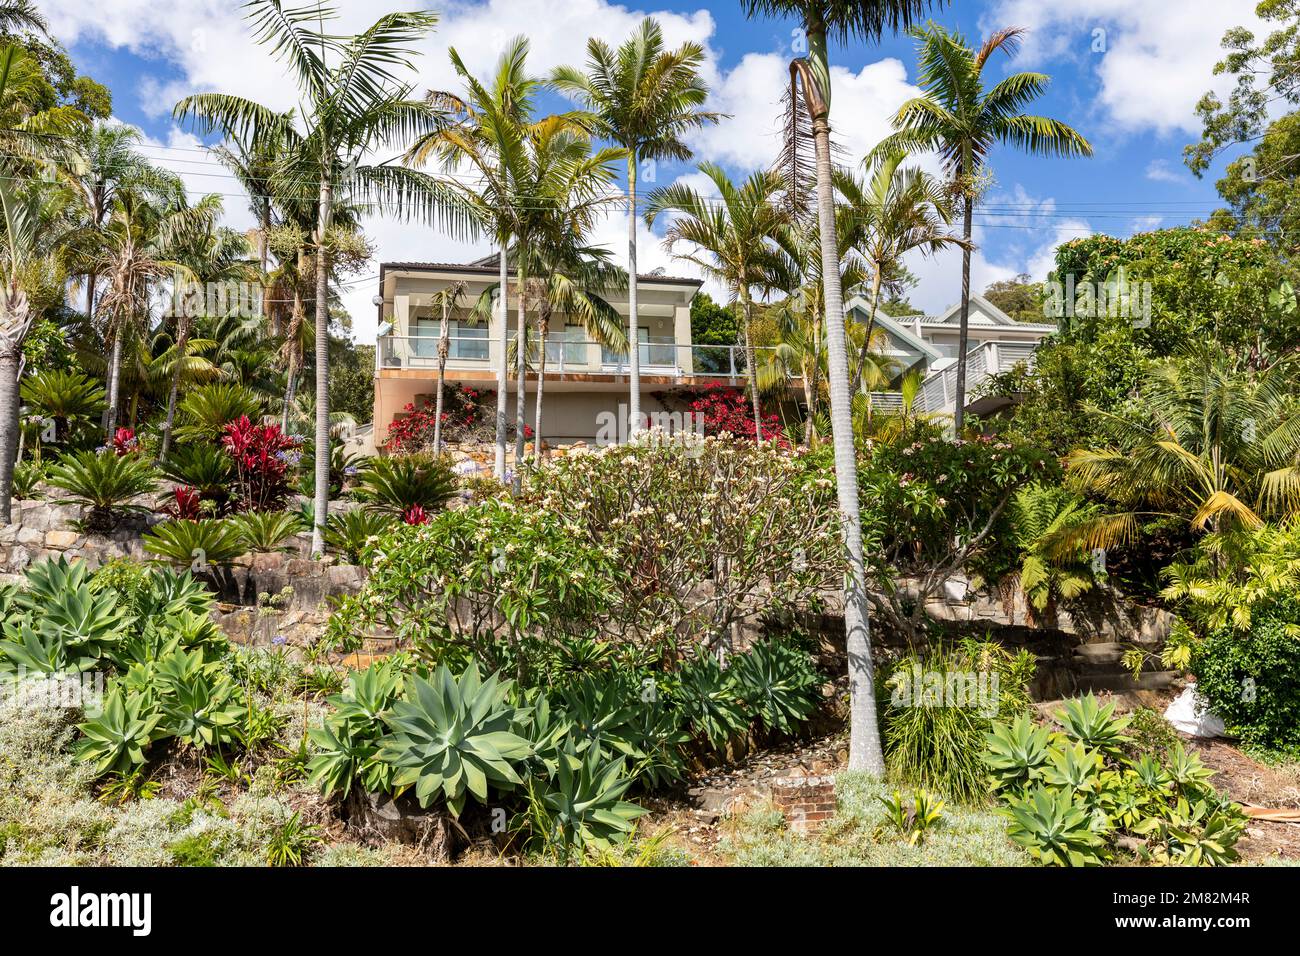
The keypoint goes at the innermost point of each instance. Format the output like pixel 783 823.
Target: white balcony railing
pixel 939 390
pixel 564 355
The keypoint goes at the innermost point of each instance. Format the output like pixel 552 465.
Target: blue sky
pixel 1125 73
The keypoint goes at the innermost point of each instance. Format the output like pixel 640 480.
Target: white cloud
pixel 1160 171
pixel 1153 62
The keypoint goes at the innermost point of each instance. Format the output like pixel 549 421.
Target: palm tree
pixel 27 267
pixel 211 254
pixel 139 239
pixel 957 117
pixel 352 103
pixel 842 19
pixel 1215 447
pixel 491 140
pixel 739 233
pixel 895 212
pixel 644 98
pixel 109 163
pixel 448 300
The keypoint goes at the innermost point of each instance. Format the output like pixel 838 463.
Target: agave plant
pixel 585 803
pixel 27 651
pixel 1093 724
pixel 199 545
pixel 1054 830
pixel 350 533
pixel 399 483
pixel 1017 753
pixel 200 706
pixel 262 532
pixel 778 685
pixel 451 736
pixel 117 739
pixel 104 482
pixel 711 700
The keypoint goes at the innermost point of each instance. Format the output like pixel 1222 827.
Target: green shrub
pixel 1251 679
pixel 583 809
pixel 262 532
pixel 393 485
pixel 105 483
pixel 710 700
pixel 27 477
pixel 116 740
pixel 352 533
pixel 941 708
pixel 204 467
pixel 778 685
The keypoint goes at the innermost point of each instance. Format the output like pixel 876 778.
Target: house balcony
pixel 569 361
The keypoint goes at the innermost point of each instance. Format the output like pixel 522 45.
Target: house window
pixel 468 341
pixel 655 350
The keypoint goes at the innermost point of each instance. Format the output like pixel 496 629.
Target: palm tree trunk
pixel 543 327
pixel 866 342
pixel 503 340
pixel 91 278
pixel 963 335
pixel 290 391
pixel 9 353
pixel 520 367
pixel 182 339
pixel 443 347
pixel 291 346
pixel 634 360
pixel 322 370
pixel 864 732
pixel 114 380
pixel 751 367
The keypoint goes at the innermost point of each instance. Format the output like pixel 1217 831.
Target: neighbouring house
pixel 927 345
pixel 585 383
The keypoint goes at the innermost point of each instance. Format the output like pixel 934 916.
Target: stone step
pixel 1123 681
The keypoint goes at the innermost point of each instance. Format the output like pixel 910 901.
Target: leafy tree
pixel 713 324
pixel 1021 298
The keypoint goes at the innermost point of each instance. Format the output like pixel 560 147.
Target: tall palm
pixel 448 301
pixel 490 141
pixel 897 211
pixel 352 103
pixel 644 98
pixel 572 280
pixel 142 234
pixel 28 265
pixel 843 20
pixel 109 163
pixel 736 242
pixel 212 254
pixel 957 116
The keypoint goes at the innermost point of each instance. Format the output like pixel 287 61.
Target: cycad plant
pixel 1206 443
pixel 963 121
pixel 105 483
pixel 66 398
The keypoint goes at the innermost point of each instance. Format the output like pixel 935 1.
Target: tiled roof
pixel 488 266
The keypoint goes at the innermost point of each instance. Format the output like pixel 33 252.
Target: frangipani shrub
pixel 709 530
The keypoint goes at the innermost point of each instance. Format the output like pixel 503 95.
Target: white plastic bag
pixel 1190 713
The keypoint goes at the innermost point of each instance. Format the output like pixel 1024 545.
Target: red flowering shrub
pixel 185 504
pixel 726 409
pixel 263 456
pixel 415 515
pixel 125 442
pixel 465 417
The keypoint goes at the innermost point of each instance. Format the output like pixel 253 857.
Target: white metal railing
pixel 938 392
pixel 658 356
